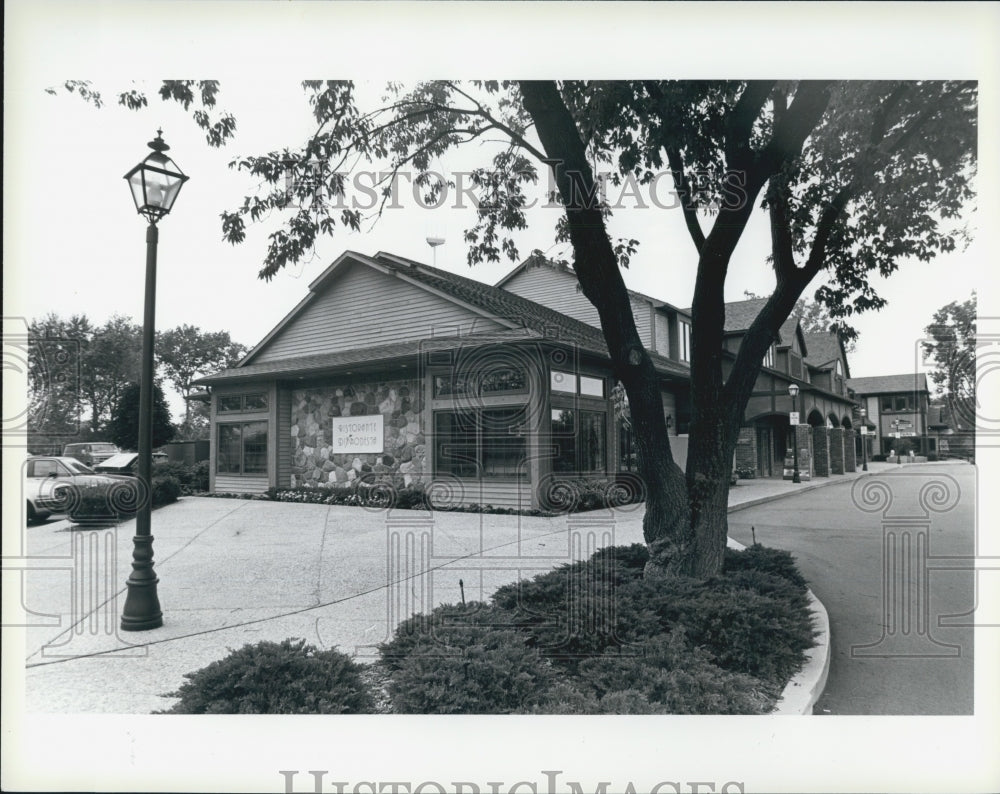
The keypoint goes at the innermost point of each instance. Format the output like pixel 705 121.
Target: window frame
pixel 475 466
pixel 243 435
pixel 684 343
pixel 243 398
pixel 558 440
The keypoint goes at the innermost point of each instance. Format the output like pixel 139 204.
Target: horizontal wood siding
pixel 365 308
pixel 508 493
pixel 231 483
pixel 662 333
pixel 561 291
pixel 284 438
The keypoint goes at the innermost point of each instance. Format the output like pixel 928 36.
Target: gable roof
pixel 524 318
pixel 541 261
pixel 885 384
pixel 741 314
pixel 825 348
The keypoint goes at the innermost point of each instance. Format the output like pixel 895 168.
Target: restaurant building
pixel 393 371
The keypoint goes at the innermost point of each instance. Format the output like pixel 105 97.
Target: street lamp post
pixel 793 420
pixel 864 438
pixel 155 183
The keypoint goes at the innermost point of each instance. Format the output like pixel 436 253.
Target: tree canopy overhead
pixel 855 178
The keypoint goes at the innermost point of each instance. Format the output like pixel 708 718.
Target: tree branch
pixel 683 187
pixel 744 114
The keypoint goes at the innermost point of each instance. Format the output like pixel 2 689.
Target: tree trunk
pixel 666 522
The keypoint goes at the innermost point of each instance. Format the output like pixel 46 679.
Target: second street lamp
pixel 864 438
pixel 793 420
pixel 155 183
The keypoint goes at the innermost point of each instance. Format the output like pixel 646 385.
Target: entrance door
pixel 765 461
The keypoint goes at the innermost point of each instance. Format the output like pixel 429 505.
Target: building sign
pixel 793 417
pixel 358 434
pixel 864 430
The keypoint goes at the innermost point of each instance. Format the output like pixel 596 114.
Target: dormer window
pixel 840 369
pixel 769 357
pixel 685 346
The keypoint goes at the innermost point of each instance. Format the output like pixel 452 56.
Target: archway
pixel 834 421
pixel 815 418
pixel 771 442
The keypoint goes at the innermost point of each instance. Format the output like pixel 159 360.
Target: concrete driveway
pixel 235 571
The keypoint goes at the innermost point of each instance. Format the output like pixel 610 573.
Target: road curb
pixel 804 690
pixel 806 687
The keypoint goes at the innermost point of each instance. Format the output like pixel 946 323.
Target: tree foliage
pixel 123 429
pixel 77 367
pixel 186 352
pixel 951 348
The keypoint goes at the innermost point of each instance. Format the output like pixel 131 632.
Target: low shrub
pixel 932 457
pixel 666 675
pixel 595 637
pixel 165 490
pixel 444 627
pixel 484 671
pixel 289 677
pixel 193 478
pixel 878 458
pixel 103 503
pixel 766 560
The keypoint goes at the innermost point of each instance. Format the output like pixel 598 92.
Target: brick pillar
pixel 746 449
pixel 821 451
pixel 836 450
pixel 803 441
pixel 850 450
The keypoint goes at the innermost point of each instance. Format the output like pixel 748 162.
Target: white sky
pixel 73 243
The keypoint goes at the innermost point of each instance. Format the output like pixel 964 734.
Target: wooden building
pixel 390 370
pixel 393 370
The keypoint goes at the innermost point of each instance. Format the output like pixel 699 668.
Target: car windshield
pixel 78 468
pixel 103 448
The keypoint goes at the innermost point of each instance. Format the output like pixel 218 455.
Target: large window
pixel 578 440
pixel 489 442
pixel 242 448
pixel 685 349
pixel 769 357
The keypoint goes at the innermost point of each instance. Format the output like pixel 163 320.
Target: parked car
pixel 90 452
pixel 125 463
pixel 59 485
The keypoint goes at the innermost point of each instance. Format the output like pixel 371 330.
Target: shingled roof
pixel 887 384
pixel 501 303
pixel 533 320
pixel 824 348
pixel 741 314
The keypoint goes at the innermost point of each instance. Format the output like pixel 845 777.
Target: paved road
pixel 842 537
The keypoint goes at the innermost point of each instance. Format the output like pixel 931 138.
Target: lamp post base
pixel 142 604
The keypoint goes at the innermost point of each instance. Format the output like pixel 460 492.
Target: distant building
pixel 897 405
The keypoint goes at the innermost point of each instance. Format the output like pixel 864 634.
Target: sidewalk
pixel 235 571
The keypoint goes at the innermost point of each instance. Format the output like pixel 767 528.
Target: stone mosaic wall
pixel 403 459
